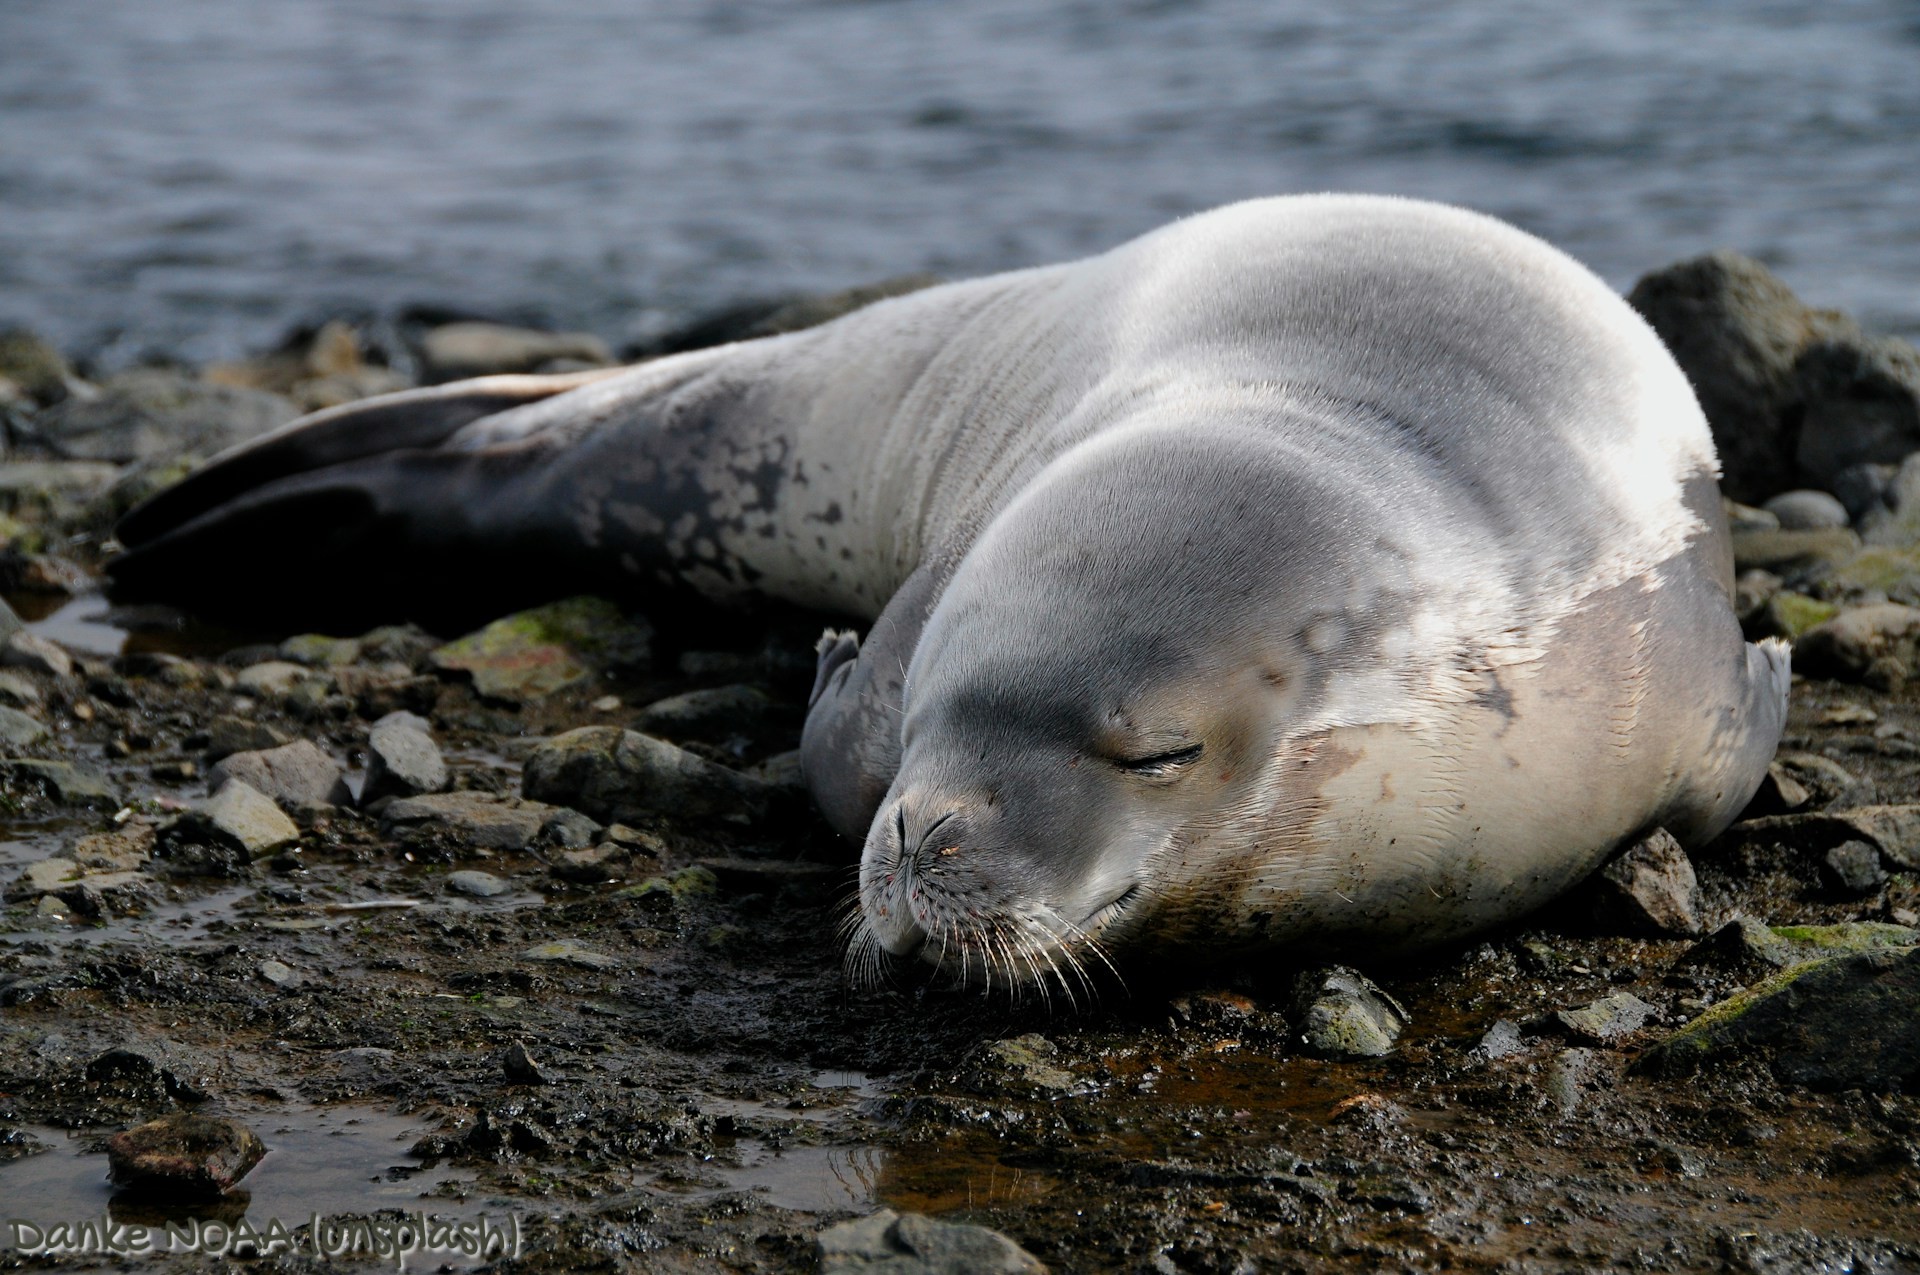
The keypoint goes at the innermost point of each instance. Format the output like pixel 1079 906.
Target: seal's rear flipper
pixel 408 420
pixel 352 515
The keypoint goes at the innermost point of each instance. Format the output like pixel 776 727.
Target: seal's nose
pixel 901 882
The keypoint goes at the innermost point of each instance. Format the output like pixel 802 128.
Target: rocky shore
pixel 534 922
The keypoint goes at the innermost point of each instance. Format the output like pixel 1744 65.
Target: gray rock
pixel 473 819
pixel 1807 510
pixel 183 1156
pixel 18 690
pixel 455 351
pixel 591 865
pixel 1861 404
pixel 279 973
pixel 402 760
pixel 58 782
pixel 152 413
pixel 237 816
pixel 1502 1040
pixel 520 1067
pixel 33 365
pixel 296 774
pixel 476 884
pixel 889 1243
pixel 716 715
pixel 10 623
pixel 570 952
pixel 317 650
pixel 36 654
pixel 227 735
pixel 1780 792
pixel 47 876
pixel 1571 1073
pixel 1795 555
pixel 1340 1013
pixel 1852 868
pixel 570 830
pixel 1845 1022
pixel 17 730
pixel 1848 645
pixel 1737 332
pixel 272 679
pixel 1648 889
pixel 619 775
pixel 1607 1020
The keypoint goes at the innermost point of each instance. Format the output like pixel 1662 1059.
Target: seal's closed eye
pixel 1161 764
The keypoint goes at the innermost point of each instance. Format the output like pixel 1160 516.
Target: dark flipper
pixel 351 517
pixel 409 420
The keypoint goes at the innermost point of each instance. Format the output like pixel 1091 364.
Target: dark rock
pixel 1852 868
pixel 1737 332
pixel 716 715
pixel 1807 510
pixel 228 735
pixel 59 782
pixel 296 774
pixel 1744 947
pixel 183 1156
pixel 152 413
pixel 402 759
pixel 154 1070
pixel 616 775
pixel 1340 1013
pixel 591 865
pixel 1607 1020
pixel 520 1067
pixel 1849 1021
pixel 398 644
pixel 889 1243
pixel 455 351
pixel 570 830
pixel 1648 889
pixel 1860 401
pixel 1863 490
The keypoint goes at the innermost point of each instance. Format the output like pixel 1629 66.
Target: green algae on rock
pixel 531 654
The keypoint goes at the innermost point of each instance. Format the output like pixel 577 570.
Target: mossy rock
pixel 1889 570
pixel 1790 614
pixel 532 654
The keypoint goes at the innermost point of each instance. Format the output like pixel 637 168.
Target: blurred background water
pixel 192 177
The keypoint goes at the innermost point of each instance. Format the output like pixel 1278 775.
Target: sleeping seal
pixel 1327 571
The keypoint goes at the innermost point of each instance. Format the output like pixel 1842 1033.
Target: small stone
pixel 476 884
pixel 296 774
pixel 402 760
pixel 520 1067
pixel 272 679
pixel 1607 1020
pixel 456 351
pixel 174 772
pixel 228 734
pixel 716 715
pixel 33 366
pixel 1742 947
pixel 1847 645
pixel 18 691
pixel 532 654
pixel 606 704
pixel 1340 1013
pixel 1502 1040
pixel 1569 1075
pixel 36 654
pixel 1779 793
pixel 591 865
pixel 17 730
pixel 1806 510
pixel 1852 868
pixel 615 775
pixel 183 1156
pixel 279 973
pixel 889 1243
pixel 570 830
pixel 238 816
pixel 44 877
pixel 1788 614
pixel 1648 889
pixel 1022 1064
pixel 570 952
pixel 52 907
pixel 316 650
pixel 473 819
pixel 59 782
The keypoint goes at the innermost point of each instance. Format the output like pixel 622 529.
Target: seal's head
pixel 1104 706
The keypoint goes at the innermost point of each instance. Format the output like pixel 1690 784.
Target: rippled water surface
pixel 191 177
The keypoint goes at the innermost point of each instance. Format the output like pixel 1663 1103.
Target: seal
pixel 1330 572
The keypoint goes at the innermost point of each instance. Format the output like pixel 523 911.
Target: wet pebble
pixel 1649 888
pixel 296 774
pixel 520 1067
pixel 237 817
pixel 1502 1040
pixel 183 1156
pixel 59 782
pixel 402 759
pixel 44 877
pixel 35 654
pixel 1340 1013
pixel 1807 510
pixel 279 973
pixel 570 952
pixel 229 734
pixel 889 1243
pixel 477 884
pixel 1608 1020
pixel 272 679
pixel 614 775
pixel 1852 868
pixel 592 865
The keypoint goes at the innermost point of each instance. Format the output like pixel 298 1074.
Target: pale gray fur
pixel 1397 513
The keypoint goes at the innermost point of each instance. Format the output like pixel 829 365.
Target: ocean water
pixel 190 178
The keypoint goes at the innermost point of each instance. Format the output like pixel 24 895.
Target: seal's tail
pixel 358 504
